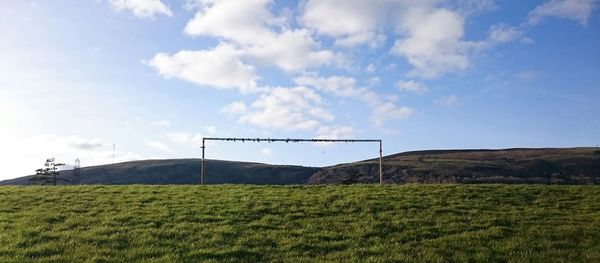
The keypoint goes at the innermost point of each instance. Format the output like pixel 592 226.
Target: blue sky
pixel 153 77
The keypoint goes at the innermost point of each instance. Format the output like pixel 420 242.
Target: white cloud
pixel 235 108
pixel 502 33
pixel 373 40
pixel 241 21
pixel 388 111
pixel 70 143
pixel 577 10
pixel 337 85
pixel 351 23
pixel 429 35
pixel 89 151
pixel 161 123
pixel 185 138
pixel 219 67
pixel 370 68
pixel 475 6
pixel 259 34
pixel 413 86
pixel 341 17
pixel 429 32
pixel 374 81
pixel 28 154
pixel 159 146
pixel 527 40
pixel 345 87
pixel 434 44
pixel 293 50
pixel 73 142
pixel 342 132
pixel 266 151
pixel 497 34
pixel 142 8
pixel 333 132
pixel 297 108
pixel 448 101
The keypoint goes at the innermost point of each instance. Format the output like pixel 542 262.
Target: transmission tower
pixel 77 172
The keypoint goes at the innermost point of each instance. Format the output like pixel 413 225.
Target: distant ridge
pixel 515 165
pixel 185 171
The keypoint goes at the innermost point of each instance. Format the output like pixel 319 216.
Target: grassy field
pixel 515 223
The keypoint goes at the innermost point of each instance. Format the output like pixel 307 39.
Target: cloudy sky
pixel 154 76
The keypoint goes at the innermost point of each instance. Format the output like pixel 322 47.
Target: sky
pixel 152 77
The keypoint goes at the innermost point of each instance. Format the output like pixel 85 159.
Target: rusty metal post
pixel 288 140
pixel 202 166
pixel 380 163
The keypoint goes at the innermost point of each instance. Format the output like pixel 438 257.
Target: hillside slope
pixel 549 165
pixel 185 171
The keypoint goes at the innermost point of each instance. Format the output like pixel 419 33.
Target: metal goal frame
pixel 288 140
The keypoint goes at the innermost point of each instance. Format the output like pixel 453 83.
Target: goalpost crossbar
pixel 292 140
pixel 285 140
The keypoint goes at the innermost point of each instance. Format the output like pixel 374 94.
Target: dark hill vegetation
pixel 185 171
pixel 547 166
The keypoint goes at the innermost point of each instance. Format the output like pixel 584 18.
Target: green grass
pixel 300 224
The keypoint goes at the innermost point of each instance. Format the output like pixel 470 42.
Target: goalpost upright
pixel 288 140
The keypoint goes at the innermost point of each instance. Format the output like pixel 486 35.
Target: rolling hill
pixel 547 166
pixel 185 171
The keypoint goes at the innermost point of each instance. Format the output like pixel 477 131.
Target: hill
pixel 546 166
pixel 185 171
pixel 245 223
